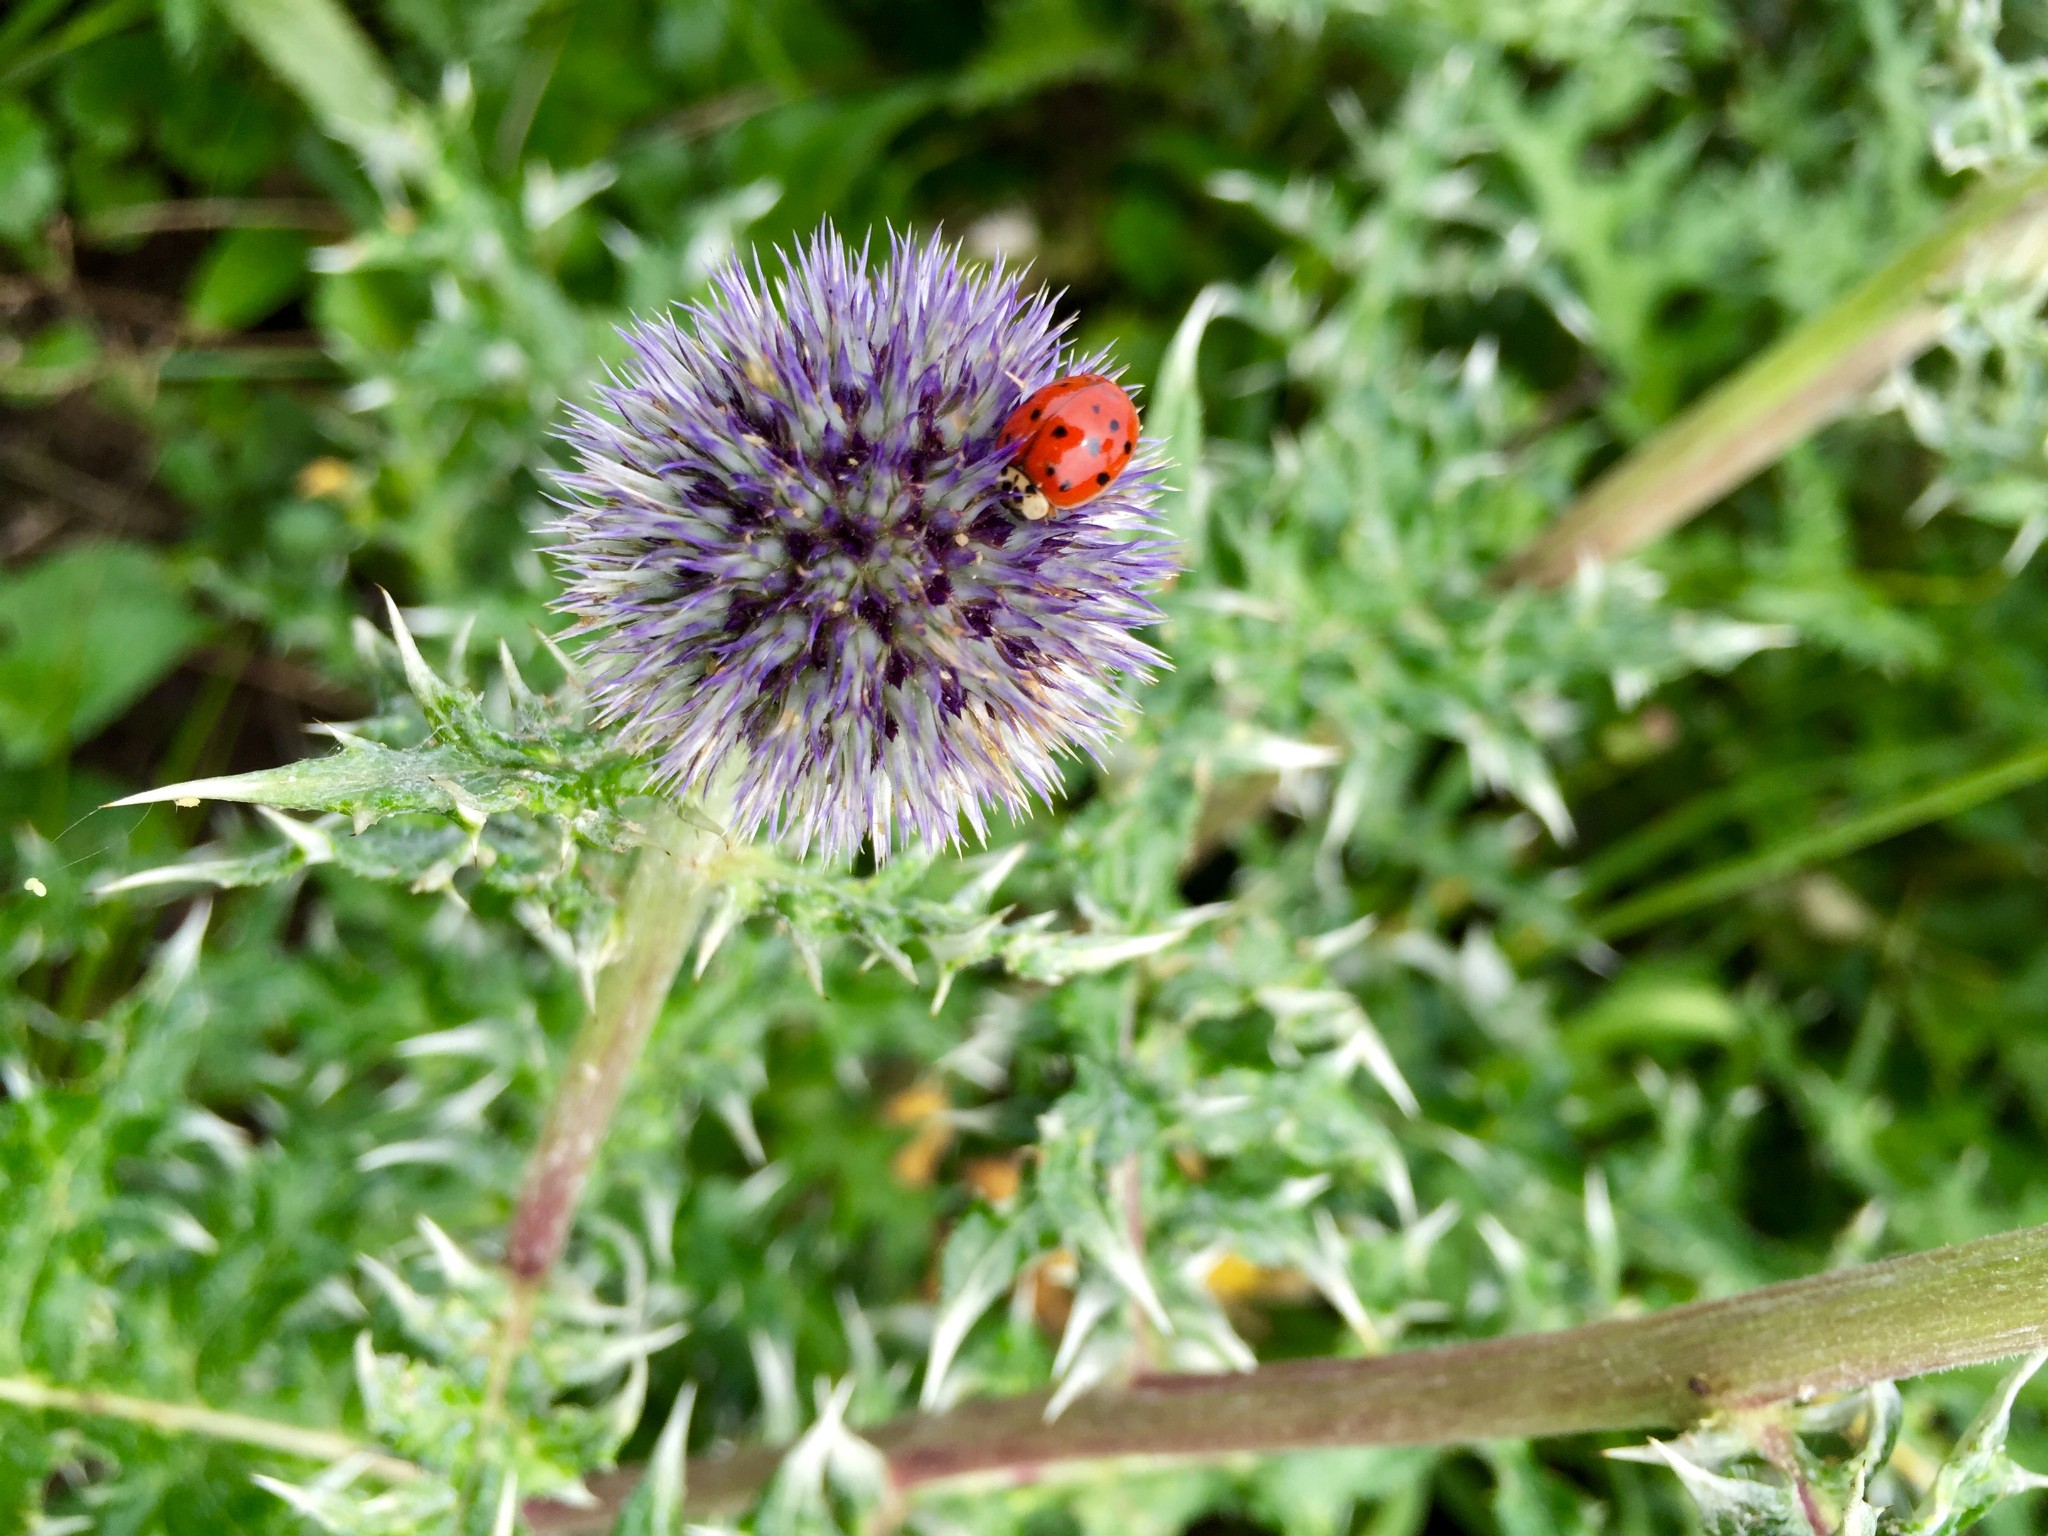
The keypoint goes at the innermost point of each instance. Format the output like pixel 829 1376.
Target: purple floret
pixel 796 573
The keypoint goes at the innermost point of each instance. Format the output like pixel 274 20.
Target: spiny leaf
pixel 656 1506
pixel 1736 1506
pixel 1978 1473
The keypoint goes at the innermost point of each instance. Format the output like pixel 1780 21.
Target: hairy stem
pixel 664 904
pixel 1925 1312
pixel 1798 386
pixel 211 1423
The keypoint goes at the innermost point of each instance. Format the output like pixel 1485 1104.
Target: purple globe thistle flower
pixel 796 569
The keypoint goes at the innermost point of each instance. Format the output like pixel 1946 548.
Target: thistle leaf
pixel 1978 1473
pixel 656 1505
pixel 1736 1506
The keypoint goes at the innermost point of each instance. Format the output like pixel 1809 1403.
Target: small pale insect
pixel 1069 441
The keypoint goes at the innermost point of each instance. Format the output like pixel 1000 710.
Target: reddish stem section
pixel 664 903
pixel 1981 1301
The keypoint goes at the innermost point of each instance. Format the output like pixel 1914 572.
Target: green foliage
pixel 29 184
pixel 1430 961
pixel 1800 1470
pixel 247 277
pixel 82 635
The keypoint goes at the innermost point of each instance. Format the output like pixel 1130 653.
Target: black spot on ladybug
pixel 1059 431
pixel 1102 479
pixel 1127 445
pixel 1036 414
pixel 1097 409
pixel 1116 426
pixel 1065 485
pixel 1053 469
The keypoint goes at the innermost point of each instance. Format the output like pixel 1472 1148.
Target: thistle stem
pixel 1798 386
pixel 664 903
pixel 1981 1301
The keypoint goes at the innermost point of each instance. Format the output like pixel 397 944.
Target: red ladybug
pixel 1070 440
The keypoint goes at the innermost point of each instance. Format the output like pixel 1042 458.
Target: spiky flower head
pixel 799 577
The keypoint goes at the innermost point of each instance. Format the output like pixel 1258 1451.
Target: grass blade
pixel 1753 870
pixel 319 51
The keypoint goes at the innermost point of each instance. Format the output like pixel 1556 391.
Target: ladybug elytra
pixel 1069 440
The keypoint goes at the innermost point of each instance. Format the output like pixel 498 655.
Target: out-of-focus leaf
pixel 54 361
pixel 29 180
pixel 317 47
pixel 655 1507
pixel 83 634
pixel 1175 415
pixel 1037 43
pixel 248 274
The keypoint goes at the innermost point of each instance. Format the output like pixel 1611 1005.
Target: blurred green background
pixel 284 324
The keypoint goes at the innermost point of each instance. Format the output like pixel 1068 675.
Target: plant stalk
pixel 210 1423
pixel 664 904
pixel 1794 854
pixel 1965 1305
pixel 1798 386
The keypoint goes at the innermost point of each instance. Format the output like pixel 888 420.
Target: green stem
pixel 1770 790
pixel 1802 383
pixel 212 1423
pixel 1981 1301
pixel 1786 858
pixel 664 904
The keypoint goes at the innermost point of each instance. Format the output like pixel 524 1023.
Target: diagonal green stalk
pixel 209 1423
pixel 1796 853
pixel 664 905
pixel 317 48
pixel 1771 789
pixel 1966 1305
pixel 1798 386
